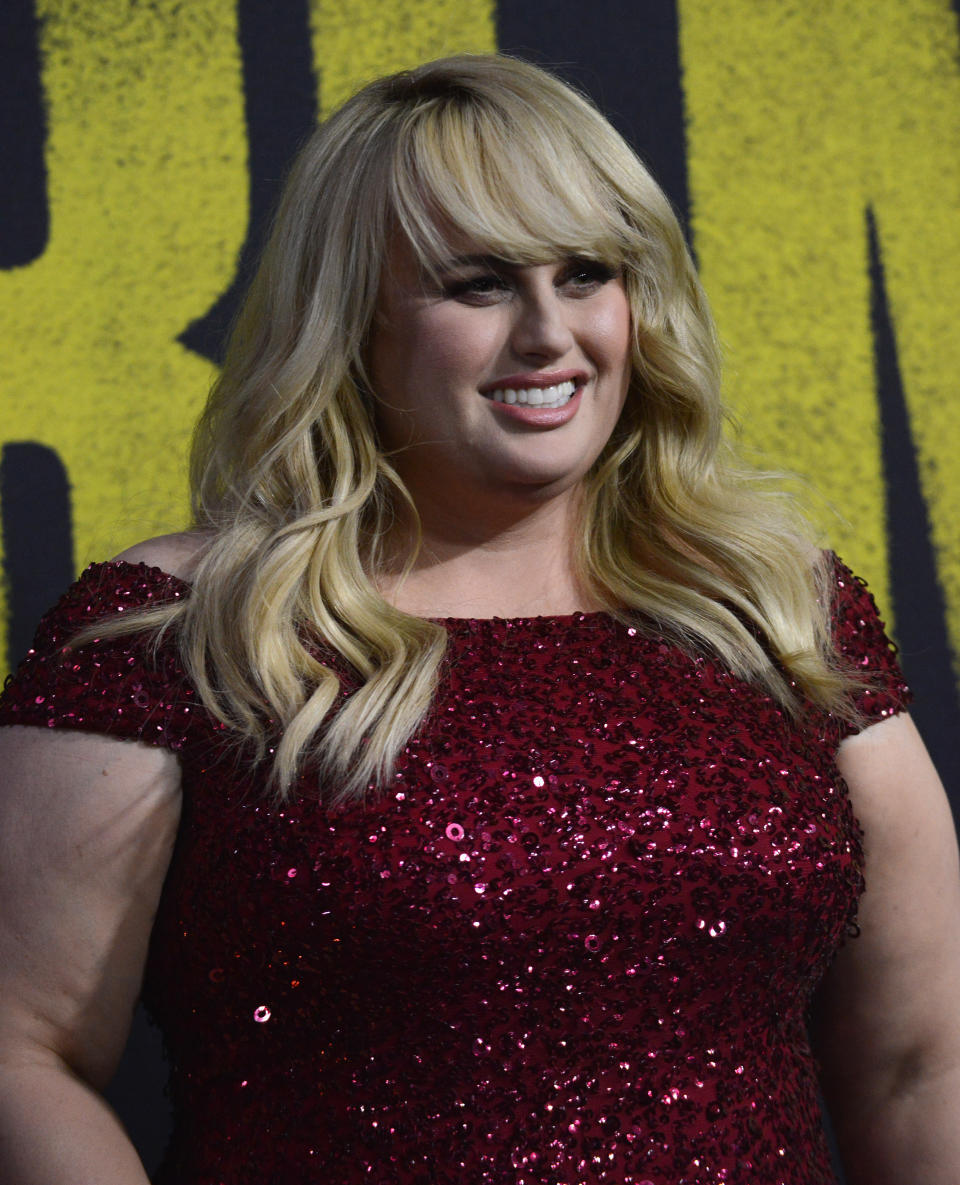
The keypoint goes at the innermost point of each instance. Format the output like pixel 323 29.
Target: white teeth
pixel 552 397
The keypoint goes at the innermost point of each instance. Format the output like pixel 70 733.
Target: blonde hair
pixel 296 497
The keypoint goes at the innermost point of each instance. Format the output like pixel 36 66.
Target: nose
pixel 541 329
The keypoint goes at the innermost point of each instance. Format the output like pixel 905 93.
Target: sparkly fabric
pixel 575 942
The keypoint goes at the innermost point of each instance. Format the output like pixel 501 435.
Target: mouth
pixel 552 397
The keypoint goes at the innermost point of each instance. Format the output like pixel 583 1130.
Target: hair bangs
pixel 517 190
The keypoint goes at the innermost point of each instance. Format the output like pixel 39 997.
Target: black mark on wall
pixel 280 103
pixel 917 596
pixel 24 214
pixel 626 57
pixel 37 537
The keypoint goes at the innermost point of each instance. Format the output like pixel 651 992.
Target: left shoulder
pixel 891 777
pixel 862 644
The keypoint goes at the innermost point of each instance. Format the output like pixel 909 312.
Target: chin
pixel 543 484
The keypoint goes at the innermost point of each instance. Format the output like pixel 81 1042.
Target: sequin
pixel 610 988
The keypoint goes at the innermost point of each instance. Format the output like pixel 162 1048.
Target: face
pixel 498 380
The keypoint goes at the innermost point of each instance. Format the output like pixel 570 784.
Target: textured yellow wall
pixel 146 159
pixel 358 40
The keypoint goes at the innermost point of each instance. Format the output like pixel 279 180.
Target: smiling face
pixel 497 380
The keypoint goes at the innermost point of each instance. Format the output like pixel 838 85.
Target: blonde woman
pixel 473 789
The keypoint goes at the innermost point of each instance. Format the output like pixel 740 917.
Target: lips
pixel 556 395
pixel 545 388
pixel 550 416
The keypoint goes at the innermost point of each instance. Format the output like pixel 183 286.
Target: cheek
pixel 611 333
pixel 621 334
pixel 458 343
pixel 614 346
pixel 440 352
pixel 420 367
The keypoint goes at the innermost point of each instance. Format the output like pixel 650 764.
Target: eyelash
pixel 593 272
pixel 481 285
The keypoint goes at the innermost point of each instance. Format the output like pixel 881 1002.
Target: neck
pixel 513 561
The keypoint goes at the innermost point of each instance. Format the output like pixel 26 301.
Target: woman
pixel 469 786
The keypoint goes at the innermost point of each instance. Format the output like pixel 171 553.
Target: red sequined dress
pixel 574 942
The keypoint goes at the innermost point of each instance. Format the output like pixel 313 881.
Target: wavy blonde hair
pixel 295 496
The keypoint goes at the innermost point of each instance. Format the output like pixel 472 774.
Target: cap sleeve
pixel 861 639
pixel 123 686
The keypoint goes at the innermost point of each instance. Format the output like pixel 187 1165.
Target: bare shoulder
pixel 177 554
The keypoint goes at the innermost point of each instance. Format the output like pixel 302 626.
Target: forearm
pixel 911 1137
pixel 56 1130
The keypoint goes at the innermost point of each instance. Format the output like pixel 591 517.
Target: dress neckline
pixel 542 622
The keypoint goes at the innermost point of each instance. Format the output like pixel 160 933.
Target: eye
pixel 586 274
pixel 481 288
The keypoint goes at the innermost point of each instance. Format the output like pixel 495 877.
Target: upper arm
pixel 890 1006
pixel 87 825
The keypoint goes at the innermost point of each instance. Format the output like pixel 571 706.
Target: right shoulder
pixel 177 554
pixel 98 662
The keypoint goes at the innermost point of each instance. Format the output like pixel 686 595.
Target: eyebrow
pixel 496 262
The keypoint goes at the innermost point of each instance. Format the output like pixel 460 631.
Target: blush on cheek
pixel 461 345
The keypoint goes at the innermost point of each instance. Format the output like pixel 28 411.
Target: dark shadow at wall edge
pixel 280 103
pixel 627 58
pixel 36 525
pixel 918 601
pixel 24 213
pixel 137 1092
